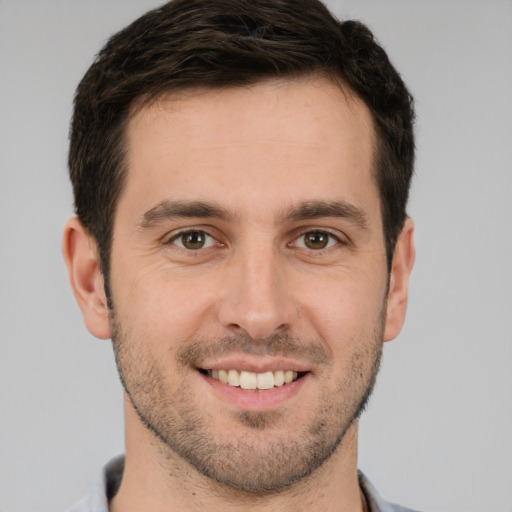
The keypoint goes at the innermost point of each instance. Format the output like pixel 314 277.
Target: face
pixel 248 277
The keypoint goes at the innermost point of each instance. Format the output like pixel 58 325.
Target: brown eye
pixel 316 240
pixel 193 240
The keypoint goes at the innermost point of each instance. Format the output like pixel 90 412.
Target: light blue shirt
pixel 109 480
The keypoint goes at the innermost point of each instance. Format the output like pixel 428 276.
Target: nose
pixel 256 298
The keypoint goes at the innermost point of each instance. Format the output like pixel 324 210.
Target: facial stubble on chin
pixel 258 462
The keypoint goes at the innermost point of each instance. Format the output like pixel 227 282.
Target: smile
pixel 254 381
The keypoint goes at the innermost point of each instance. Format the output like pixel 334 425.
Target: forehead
pixel 275 141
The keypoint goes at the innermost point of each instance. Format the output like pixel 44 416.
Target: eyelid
pixel 170 238
pixel 340 240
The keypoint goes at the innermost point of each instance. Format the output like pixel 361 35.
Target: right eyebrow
pixel 169 210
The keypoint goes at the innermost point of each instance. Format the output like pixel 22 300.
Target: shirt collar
pixel 108 482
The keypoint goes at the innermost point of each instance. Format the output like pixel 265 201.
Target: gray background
pixel 437 435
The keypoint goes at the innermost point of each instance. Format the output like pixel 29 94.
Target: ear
pixel 81 255
pixel 403 261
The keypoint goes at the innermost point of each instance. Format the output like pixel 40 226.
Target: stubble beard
pixel 257 462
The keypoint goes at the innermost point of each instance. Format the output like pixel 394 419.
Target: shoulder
pixel 103 489
pixel 375 502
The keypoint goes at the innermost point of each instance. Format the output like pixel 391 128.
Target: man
pixel 241 173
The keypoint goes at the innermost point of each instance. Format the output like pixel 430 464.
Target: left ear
pixel 403 261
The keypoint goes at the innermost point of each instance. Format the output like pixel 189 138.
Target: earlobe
pixel 82 261
pixel 403 261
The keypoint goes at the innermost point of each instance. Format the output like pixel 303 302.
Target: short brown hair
pixel 190 43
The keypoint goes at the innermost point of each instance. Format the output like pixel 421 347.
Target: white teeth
pixel 278 378
pixel 253 381
pixel 233 378
pixel 247 380
pixel 265 380
pixel 289 376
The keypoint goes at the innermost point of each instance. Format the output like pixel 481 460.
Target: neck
pixel 157 479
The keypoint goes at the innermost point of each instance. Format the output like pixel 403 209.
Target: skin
pixel 278 161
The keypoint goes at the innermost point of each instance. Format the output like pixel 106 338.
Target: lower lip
pixel 259 400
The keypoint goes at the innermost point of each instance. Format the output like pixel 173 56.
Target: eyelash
pixel 181 234
pixel 332 240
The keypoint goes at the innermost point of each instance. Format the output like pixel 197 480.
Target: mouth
pixel 252 381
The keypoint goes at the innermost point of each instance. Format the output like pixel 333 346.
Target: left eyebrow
pixel 170 210
pixel 318 209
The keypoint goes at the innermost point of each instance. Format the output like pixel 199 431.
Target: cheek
pixel 345 308
pixel 165 306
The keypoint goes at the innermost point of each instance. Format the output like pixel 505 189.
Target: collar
pixel 108 482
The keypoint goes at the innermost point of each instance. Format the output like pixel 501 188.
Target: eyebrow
pixel 168 210
pixel 338 209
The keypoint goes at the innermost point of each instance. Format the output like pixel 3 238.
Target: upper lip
pixel 255 366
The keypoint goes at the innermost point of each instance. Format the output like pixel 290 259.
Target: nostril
pixel 259 334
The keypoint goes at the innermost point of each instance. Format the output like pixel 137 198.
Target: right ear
pixel 82 260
